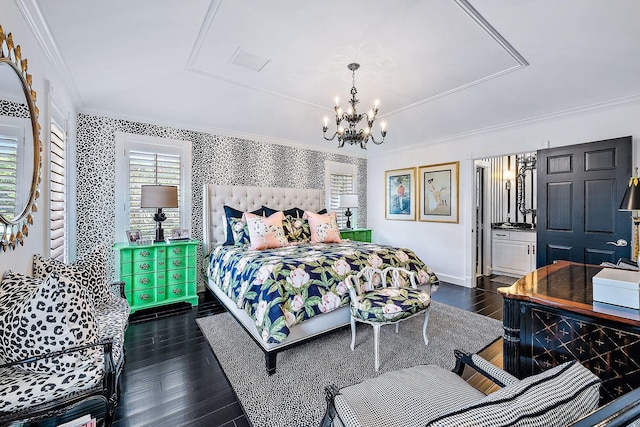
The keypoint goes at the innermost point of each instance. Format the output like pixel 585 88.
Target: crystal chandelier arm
pixel 329 139
pixel 384 133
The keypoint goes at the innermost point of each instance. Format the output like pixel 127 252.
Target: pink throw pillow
pixel 324 227
pixel 265 233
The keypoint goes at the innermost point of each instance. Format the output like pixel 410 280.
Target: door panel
pixel 601 206
pixel 579 191
pixel 559 214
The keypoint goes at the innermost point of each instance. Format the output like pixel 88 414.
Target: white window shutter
pixel 155 169
pixel 340 183
pixel 57 184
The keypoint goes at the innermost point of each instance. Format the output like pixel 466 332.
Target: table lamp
pixel 159 196
pixel 348 201
pixel 631 202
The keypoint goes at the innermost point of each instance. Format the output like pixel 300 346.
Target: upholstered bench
pixel 428 395
pixel 61 338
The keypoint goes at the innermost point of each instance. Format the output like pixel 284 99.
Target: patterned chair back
pixel 370 278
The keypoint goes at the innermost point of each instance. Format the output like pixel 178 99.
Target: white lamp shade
pixel 159 196
pixel 348 201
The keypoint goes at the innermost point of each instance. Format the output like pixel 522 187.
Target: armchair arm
pixel 106 344
pixel 483 367
pixel 620 412
pixel 330 391
pixel 117 288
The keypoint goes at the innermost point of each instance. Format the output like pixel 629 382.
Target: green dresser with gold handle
pixel 158 274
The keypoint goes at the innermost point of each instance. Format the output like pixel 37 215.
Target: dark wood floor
pixel 172 378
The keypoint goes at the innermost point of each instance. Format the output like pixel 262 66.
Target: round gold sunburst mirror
pixel 20 146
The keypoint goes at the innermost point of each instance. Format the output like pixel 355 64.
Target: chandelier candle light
pixel 351 135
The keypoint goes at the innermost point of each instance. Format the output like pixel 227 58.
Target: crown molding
pixel 36 22
pixel 611 104
pixel 497 37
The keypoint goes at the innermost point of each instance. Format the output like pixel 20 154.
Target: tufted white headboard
pixel 248 199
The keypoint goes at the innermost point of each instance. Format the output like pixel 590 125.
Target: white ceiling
pixel 440 68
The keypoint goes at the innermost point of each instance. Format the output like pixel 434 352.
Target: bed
pixel 286 296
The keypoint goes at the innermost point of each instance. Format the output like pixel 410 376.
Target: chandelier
pixel 350 135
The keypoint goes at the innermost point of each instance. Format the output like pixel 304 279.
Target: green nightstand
pixel 358 234
pixel 158 274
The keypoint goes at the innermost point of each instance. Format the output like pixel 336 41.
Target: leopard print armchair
pixel 61 339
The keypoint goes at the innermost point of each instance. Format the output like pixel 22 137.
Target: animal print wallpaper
pixel 14 109
pixel 215 159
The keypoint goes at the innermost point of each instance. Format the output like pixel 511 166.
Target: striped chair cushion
pixel 556 397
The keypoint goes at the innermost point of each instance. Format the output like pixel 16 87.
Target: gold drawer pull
pixel 177 262
pixel 144 254
pixel 161 291
pixel 177 276
pixel 177 291
pixel 144 280
pixel 144 297
pixel 176 250
pixel 144 266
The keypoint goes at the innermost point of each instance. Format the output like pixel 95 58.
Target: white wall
pixel 13 21
pixel 447 248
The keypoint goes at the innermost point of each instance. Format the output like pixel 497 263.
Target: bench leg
pixel 376 344
pixel 424 327
pixel 353 333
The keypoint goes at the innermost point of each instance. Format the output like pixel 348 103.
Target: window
pixel 340 179
pixel 57 189
pixel 155 169
pixel 8 161
pixel 15 171
pixel 151 160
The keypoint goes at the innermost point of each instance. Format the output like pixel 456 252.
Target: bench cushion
pixel 113 317
pixel 20 390
pixel 390 304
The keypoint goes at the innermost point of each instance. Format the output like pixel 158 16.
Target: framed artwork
pixel 438 189
pixel 179 234
pixel 400 194
pixel 134 236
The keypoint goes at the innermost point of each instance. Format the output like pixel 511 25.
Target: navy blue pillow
pixel 294 212
pixel 229 213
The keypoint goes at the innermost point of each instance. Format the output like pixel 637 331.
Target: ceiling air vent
pixel 248 60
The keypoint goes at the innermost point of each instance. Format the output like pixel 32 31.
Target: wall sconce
pixel 508 176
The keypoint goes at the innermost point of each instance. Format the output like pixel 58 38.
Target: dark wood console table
pixel 550 317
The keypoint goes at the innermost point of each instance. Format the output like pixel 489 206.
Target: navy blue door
pixel 580 188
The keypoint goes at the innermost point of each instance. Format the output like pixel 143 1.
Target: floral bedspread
pixel 281 287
